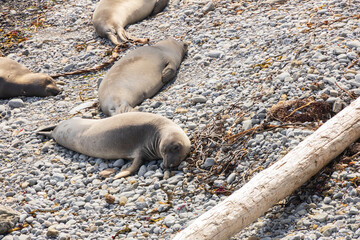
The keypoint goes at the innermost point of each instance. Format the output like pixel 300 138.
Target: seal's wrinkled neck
pixel 152 149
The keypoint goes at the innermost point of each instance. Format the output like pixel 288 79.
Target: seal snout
pixel 53 91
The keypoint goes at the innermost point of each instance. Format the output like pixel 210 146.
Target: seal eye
pixel 174 148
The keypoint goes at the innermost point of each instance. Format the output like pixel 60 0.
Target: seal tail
pixel 46 131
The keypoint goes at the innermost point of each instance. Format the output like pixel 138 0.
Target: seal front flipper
pixel 123 108
pixel 47 131
pixel 136 164
pixel 159 6
pixel 168 73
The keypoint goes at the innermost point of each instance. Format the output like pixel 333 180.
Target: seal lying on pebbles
pixel 135 136
pixel 17 80
pixel 140 75
pixel 111 16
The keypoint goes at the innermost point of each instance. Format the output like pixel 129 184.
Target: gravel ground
pixel 243 58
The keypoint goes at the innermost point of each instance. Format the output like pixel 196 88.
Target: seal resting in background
pixel 17 80
pixel 139 75
pixel 135 136
pixel 111 16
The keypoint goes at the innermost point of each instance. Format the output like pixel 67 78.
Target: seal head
pixel 39 84
pixel 173 148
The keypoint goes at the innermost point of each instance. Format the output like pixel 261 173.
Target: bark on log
pixel 279 180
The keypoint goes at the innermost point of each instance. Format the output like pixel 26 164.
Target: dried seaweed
pixel 212 142
pixel 229 147
pixel 305 110
pixel 126 229
pixel 18 19
pixel 115 55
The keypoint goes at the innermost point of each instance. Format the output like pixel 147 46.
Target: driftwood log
pixel 279 180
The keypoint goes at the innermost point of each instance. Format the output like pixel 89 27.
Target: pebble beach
pixel 243 58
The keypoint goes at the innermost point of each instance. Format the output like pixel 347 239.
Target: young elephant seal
pixel 17 80
pixel 139 75
pixel 111 16
pixel 135 136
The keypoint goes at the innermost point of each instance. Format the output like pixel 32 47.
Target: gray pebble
pixel 230 178
pixel 210 6
pixel 353 44
pixel 215 54
pixel 119 163
pixel 247 124
pixel 321 217
pixel 16 103
pixel 209 162
pixel 199 99
pixel 283 75
pixel 169 220
pixel 142 170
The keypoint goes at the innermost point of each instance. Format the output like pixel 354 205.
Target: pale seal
pixel 135 136
pixel 111 16
pixel 17 80
pixel 139 75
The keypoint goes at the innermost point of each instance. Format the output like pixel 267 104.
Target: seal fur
pixel 134 136
pixel 139 75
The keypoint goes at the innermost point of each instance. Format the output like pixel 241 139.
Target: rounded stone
pixel 169 220
pixel 52 232
pixel 123 200
pixel 16 103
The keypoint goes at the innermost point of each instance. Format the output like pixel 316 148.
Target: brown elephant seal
pixel 17 80
pixel 111 16
pixel 135 136
pixel 139 75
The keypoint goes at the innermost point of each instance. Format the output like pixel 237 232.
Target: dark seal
pixel 17 80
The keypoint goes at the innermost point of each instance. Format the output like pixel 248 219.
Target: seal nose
pixel 53 91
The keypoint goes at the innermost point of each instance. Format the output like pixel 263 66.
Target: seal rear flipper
pixel 112 37
pixel 123 35
pixel 126 37
pixel 46 131
pixel 159 6
pixel 136 164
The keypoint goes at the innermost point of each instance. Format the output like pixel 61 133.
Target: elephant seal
pixel 17 80
pixel 111 16
pixel 139 75
pixel 135 136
